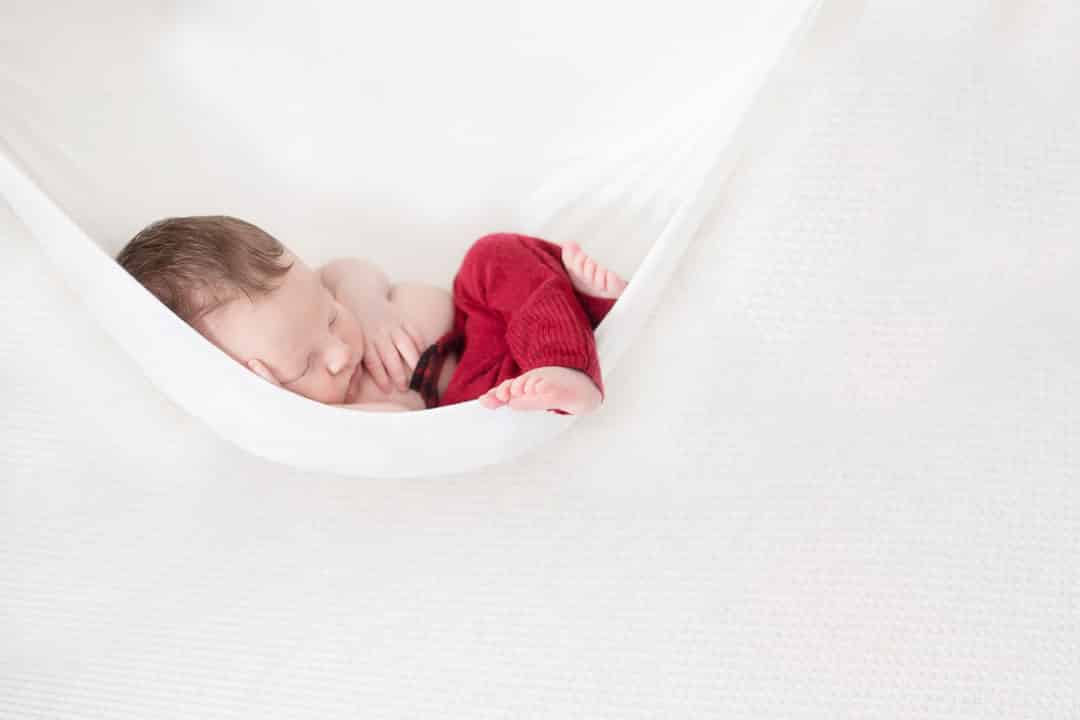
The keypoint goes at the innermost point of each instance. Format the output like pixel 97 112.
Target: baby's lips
pixel 354 383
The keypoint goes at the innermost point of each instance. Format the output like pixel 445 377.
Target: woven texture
pixel 838 477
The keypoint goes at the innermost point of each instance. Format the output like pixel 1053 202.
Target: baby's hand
pixel 391 344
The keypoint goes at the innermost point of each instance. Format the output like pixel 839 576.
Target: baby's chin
pixel 366 390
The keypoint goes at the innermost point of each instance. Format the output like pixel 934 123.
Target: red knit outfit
pixel 515 309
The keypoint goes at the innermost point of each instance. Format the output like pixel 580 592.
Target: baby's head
pixel 246 293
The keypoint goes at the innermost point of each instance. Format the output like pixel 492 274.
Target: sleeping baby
pixel 517 330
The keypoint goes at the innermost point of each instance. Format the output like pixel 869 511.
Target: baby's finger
pixel 417 338
pixel 375 366
pixel 407 347
pixel 392 359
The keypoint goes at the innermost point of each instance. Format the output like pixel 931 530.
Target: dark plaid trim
pixel 425 378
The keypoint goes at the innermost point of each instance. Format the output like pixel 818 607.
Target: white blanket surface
pixel 837 475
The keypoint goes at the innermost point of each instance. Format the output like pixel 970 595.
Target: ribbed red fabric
pixel 515 310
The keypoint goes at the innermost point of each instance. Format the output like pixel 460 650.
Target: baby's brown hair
pixel 195 264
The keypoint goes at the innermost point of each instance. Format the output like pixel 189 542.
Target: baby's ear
pixel 262 371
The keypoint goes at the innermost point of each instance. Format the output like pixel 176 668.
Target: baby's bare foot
pixel 546 388
pixel 589 277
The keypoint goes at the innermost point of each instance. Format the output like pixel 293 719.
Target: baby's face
pixel 298 337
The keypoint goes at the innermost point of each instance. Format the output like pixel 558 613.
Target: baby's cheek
pixel 350 332
pixel 321 391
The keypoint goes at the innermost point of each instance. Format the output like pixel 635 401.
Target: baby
pixel 517 331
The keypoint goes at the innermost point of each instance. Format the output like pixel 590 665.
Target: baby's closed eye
pixel 307 363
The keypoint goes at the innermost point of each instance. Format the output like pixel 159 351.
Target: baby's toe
pixel 578 260
pixel 533 384
pixel 517 387
pixel 502 392
pixel 590 270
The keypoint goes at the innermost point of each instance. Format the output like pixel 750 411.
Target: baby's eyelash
pixel 308 366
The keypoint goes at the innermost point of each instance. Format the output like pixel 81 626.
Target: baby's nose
pixel 337 358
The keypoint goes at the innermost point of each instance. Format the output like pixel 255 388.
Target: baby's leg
pixel 520 283
pixel 571 391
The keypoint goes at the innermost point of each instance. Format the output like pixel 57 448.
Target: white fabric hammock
pixel 73 169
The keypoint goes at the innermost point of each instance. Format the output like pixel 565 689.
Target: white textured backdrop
pixel 837 478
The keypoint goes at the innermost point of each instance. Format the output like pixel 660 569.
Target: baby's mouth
pixel 354 383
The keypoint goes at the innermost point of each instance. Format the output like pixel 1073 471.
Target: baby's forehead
pixel 298 294
pixel 266 323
